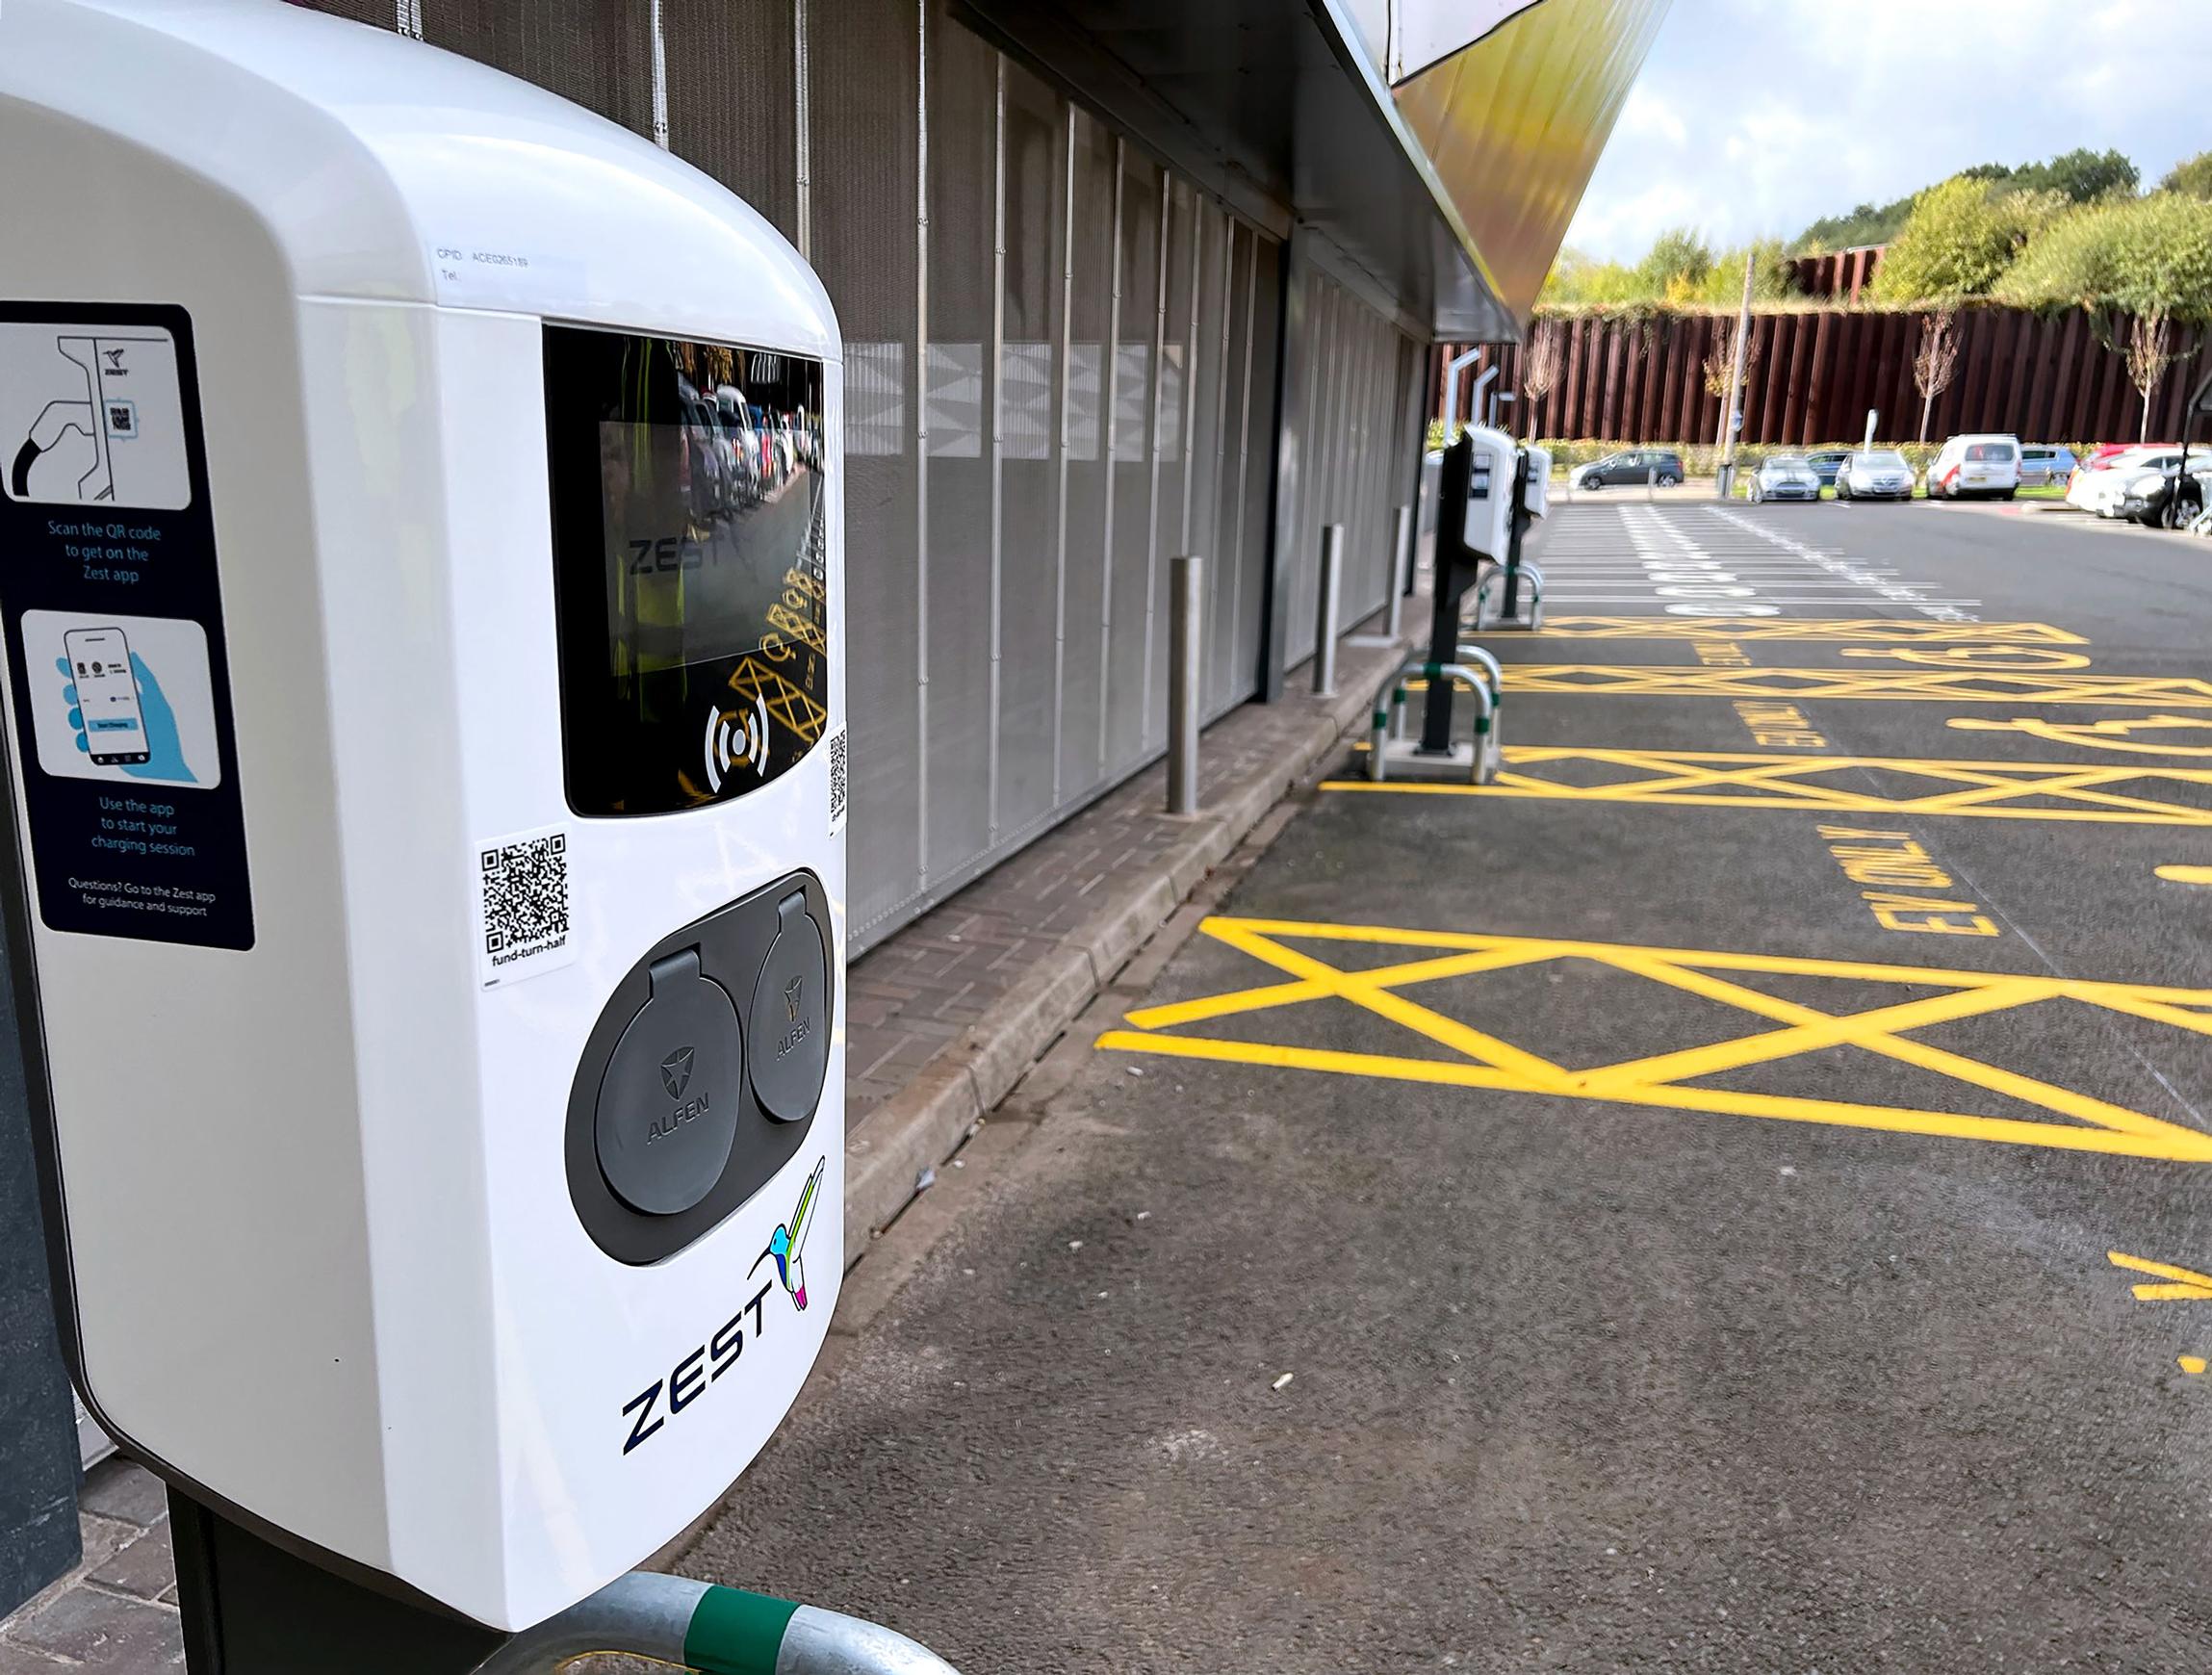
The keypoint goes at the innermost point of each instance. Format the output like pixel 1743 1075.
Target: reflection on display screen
pixel 712 514
pixel 690 514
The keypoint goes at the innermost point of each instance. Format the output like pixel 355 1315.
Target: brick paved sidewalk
pixel 961 1000
pixel 117 1612
pixel 914 993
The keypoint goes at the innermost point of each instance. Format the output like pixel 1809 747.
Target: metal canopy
pixel 1275 105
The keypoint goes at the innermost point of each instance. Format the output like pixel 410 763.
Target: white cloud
pixel 1755 118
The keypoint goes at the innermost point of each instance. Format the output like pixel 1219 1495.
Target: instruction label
pixel 113 622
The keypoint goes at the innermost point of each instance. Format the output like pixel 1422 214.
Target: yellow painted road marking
pixel 1871 630
pixel 2190 1364
pixel 1999 657
pixel 2189 1286
pixel 2184 874
pixel 1918 685
pixel 1485 1058
pixel 2113 734
pixel 1698 779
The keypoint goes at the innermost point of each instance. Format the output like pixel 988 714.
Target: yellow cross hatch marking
pixel 1485 1057
pixel 1829 629
pixel 2116 794
pixel 1950 686
pixel 2188 1285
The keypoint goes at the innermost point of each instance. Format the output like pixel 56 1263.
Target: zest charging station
pixel 1479 507
pixel 420 587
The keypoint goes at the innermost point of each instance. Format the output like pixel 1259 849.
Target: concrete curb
pixel 921 1124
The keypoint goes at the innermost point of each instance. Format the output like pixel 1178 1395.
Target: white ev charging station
pixel 422 615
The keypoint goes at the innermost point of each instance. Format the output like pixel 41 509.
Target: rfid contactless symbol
pixel 789 1240
pixel 736 737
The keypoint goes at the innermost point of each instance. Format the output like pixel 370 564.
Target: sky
pixel 1755 118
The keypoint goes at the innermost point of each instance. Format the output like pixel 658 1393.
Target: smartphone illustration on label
pixel 107 695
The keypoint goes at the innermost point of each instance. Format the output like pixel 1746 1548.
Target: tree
pixel 1542 363
pixel 2079 176
pixel 2149 352
pixel 1956 242
pixel 1937 360
pixel 2192 175
pixel 1866 225
pixel 1678 258
pixel 2083 175
pixel 1720 363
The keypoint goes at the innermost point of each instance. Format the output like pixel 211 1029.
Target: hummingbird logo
pixel 789 1244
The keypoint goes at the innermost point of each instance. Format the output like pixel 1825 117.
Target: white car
pixel 1975 465
pixel 2102 488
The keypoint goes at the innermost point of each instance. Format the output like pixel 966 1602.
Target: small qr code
pixel 526 897
pixel 836 779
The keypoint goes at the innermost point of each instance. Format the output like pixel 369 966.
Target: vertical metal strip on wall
pixel 1109 377
pixel 660 80
pixel 1152 443
pixel 1243 456
pixel 1222 687
pixel 922 389
pixel 997 431
pixel 1060 509
pixel 802 143
pixel 1190 423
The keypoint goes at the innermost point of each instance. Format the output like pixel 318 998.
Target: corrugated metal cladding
pixel 1060 373
pixel 1363 377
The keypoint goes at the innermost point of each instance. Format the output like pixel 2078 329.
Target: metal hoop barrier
pixel 1489 609
pixel 717 1631
pixel 1387 741
pixel 1470 652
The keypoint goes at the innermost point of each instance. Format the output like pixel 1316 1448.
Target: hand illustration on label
pixel 164 748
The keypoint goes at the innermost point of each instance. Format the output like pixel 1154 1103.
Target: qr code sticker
pixel 523 884
pixel 838 782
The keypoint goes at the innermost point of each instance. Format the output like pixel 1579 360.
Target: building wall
pixel 1061 372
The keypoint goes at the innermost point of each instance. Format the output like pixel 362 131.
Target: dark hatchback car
pixel 1634 466
pixel 1826 464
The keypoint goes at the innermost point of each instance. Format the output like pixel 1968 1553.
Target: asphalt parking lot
pixel 1729 1197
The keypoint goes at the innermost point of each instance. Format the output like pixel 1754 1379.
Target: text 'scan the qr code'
pixel 838 782
pixel 522 903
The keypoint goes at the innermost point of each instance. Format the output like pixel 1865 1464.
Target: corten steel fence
pixel 1060 372
pixel 1815 373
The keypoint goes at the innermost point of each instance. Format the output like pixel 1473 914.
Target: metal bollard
pixel 1652 483
pixel 1185 635
pixel 1400 565
pixel 1324 625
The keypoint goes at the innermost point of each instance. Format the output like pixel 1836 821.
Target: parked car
pixel 1975 465
pixel 2158 498
pixel 2047 465
pixel 2101 485
pixel 1878 473
pixel 1632 467
pixel 1785 477
pixel 1826 463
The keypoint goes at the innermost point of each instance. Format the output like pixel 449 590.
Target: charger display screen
pixel 690 489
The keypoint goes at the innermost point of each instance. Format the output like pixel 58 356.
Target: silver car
pixel 1878 473
pixel 1785 477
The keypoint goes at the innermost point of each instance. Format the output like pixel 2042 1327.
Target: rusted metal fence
pixel 1814 373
